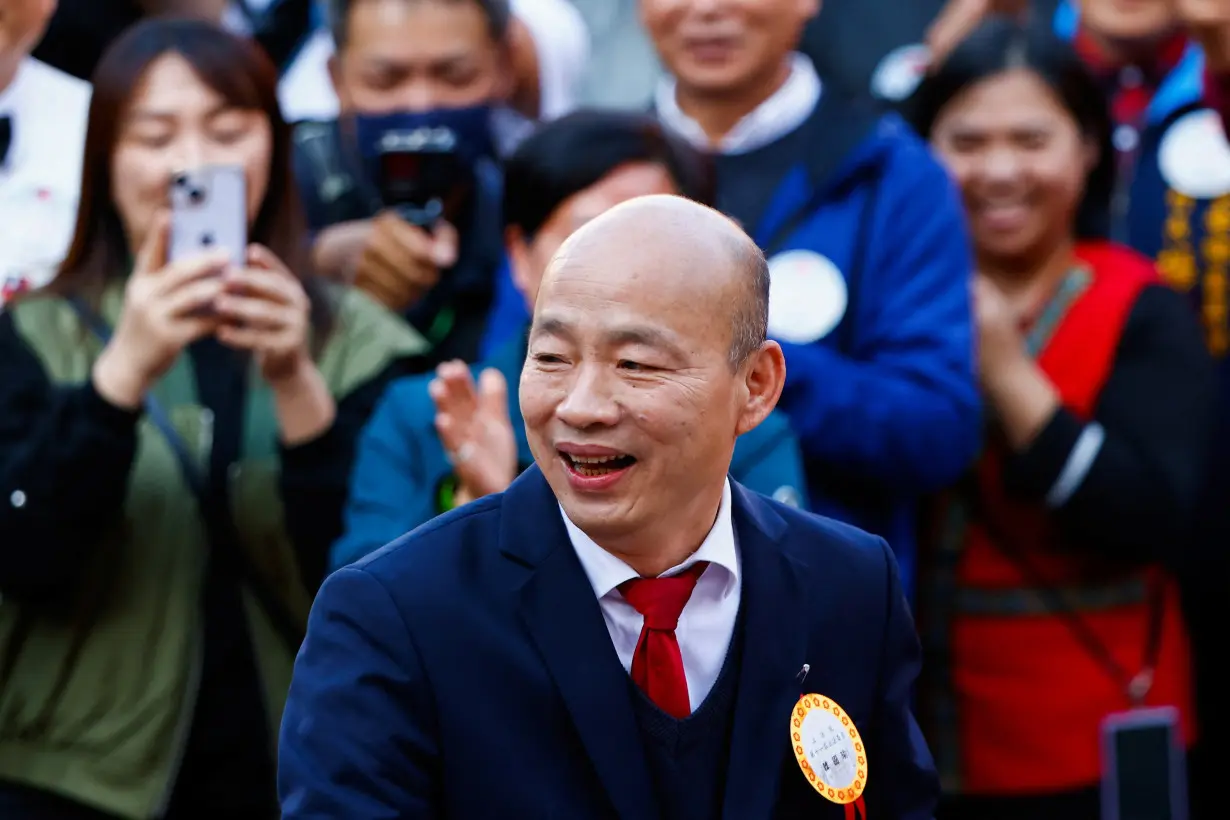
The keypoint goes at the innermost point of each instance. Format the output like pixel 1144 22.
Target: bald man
pixel 625 632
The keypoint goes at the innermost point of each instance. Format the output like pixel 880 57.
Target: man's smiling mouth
pixel 595 466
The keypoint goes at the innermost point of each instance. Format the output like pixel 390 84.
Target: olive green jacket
pixel 96 705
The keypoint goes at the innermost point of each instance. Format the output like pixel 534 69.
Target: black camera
pixel 421 173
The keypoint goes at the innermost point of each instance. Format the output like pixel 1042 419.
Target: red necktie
pixel 657 666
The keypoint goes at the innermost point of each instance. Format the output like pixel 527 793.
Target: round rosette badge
pixel 830 751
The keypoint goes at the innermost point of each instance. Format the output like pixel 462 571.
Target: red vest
pixel 1029 697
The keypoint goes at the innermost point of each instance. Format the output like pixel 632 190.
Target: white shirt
pixel 785 110
pixel 708 619
pixel 40 181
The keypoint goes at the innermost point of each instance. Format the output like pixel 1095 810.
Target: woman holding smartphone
pixel 1049 604
pixel 175 444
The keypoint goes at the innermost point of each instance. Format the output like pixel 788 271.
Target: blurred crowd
pixel 267 269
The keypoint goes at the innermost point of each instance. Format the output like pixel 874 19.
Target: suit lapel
pixel 775 631
pixel 566 624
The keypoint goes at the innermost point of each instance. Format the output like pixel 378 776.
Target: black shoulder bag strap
pixel 221 533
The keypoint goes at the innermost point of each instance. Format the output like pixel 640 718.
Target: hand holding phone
pixel 166 307
pixel 264 310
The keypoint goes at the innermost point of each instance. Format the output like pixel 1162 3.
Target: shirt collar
pixel 784 111
pixel 606 572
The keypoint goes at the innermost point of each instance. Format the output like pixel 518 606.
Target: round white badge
pixel 899 73
pixel 807 296
pixel 1194 156
pixel 829 749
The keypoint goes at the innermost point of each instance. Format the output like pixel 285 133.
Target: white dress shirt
pixel 708 619
pixel 784 111
pixel 40 180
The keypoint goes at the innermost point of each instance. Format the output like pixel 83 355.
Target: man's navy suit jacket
pixel 465 671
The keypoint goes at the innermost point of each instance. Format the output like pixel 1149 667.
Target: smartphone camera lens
pixel 196 196
pixel 180 180
pixel 207 240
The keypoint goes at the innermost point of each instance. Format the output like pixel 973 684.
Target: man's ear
pixel 764 376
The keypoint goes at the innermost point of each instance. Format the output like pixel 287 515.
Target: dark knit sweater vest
pixel 687 758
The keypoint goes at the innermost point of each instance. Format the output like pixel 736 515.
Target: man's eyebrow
pixel 646 337
pixel 550 326
pixel 399 64
pixel 633 334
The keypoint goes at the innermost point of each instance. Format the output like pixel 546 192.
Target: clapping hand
pixel 1000 340
pixel 1019 395
pixel 474 426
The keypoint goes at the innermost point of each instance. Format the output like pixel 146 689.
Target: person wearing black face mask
pixel 403 188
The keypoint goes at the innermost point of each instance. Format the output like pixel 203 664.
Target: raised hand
pixel 958 19
pixel 474 426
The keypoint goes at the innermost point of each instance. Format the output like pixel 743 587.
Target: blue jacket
pixel 400 464
pixel 869 231
pixel 466 671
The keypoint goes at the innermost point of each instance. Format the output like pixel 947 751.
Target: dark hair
pixel 750 318
pixel 568 155
pixel 241 73
pixel 497 12
pixel 1001 45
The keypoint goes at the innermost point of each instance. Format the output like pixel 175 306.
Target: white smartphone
pixel 209 211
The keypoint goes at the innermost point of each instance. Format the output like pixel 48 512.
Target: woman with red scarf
pixel 1050 605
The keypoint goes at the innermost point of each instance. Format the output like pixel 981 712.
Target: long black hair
pixel 1000 45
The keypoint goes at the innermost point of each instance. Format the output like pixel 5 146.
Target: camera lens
pixel 180 180
pixel 196 196
pixel 207 240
